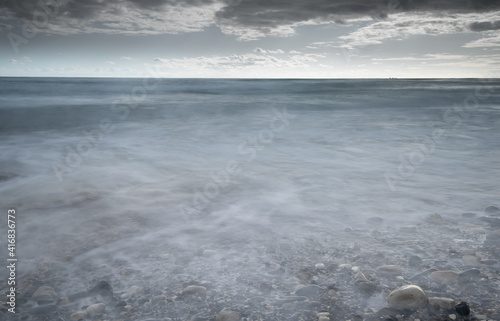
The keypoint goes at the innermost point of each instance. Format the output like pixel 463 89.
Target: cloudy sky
pixel 250 38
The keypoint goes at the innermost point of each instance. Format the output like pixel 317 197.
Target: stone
pixel 470 260
pixel 389 270
pixel 345 267
pixel 366 288
pixel 320 266
pixel 492 210
pixel 94 309
pixel 462 308
pixel 452 316
pixel 445 276
pixel 44 292
pixel 42 299
pixel 194 289
pixel 410 297
pixel 228 315
pixel 77 316
pixel 414 261
pixel 310 291
pixel 442 303
pixel 434 218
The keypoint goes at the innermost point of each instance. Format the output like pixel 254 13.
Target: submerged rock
pixel 94 310
pixel 389 270
pixel 410 297
pixel 228 315
pixel 414 261
pixel 310 291
pixel 44 295
pixel 442 303
pixel 492 210
pixel 194 289
pixel 445 276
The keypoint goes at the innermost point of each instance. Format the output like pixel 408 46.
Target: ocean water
pixel 127 166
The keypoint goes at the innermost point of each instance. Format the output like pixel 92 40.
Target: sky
pixel 250 38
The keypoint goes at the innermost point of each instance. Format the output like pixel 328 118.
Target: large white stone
pixel 409 297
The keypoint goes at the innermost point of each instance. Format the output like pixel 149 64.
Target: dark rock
pixel 78 296
pixel 414 261
pixel 366 288
pixel 42 310
pixel 469 215
pixel 462 308
pixel 492 210
pixel 102 288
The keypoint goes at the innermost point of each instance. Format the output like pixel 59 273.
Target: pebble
pixel 77 316
pixel 408 297
pixel 470 260
pixel 94 309
pixel 310 291
pixel 194 289
pixel 463 308
pixel 344 267
pixel 414 261
pixel 452 316
pixel 445 276
pixel 434 218
pixel 320 266
pixel 492 210
pixel 443 303
pixel 389 270
pixel 228 315
pixel 44 293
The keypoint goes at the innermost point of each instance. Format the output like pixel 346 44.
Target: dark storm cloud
pixel 268 13
pixel 485 25
pixel 261 14
pixel 86 9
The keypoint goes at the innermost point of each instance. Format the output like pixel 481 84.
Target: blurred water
pixel 88 162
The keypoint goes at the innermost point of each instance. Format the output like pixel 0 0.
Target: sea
pixel 114 168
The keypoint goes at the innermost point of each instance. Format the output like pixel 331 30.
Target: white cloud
pixel 126 58
pixel 242 64
pixel 491 40
pixel 13 61
pixel 27 59
pixel 110 62
pixel 401 26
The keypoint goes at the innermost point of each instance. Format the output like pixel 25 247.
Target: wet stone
pixel 462 308
pixel 389 270
pixel 446 276
pixel 77 316
pixel 228 315
pixel 492 210
pixel 94 309
pixel 408 297
pixel 442 303
pixel 194 289
pixel 44 293
pixel 414 261
pixel 470 260
pixel 310 291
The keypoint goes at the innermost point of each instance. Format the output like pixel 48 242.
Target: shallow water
pixel 120 167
